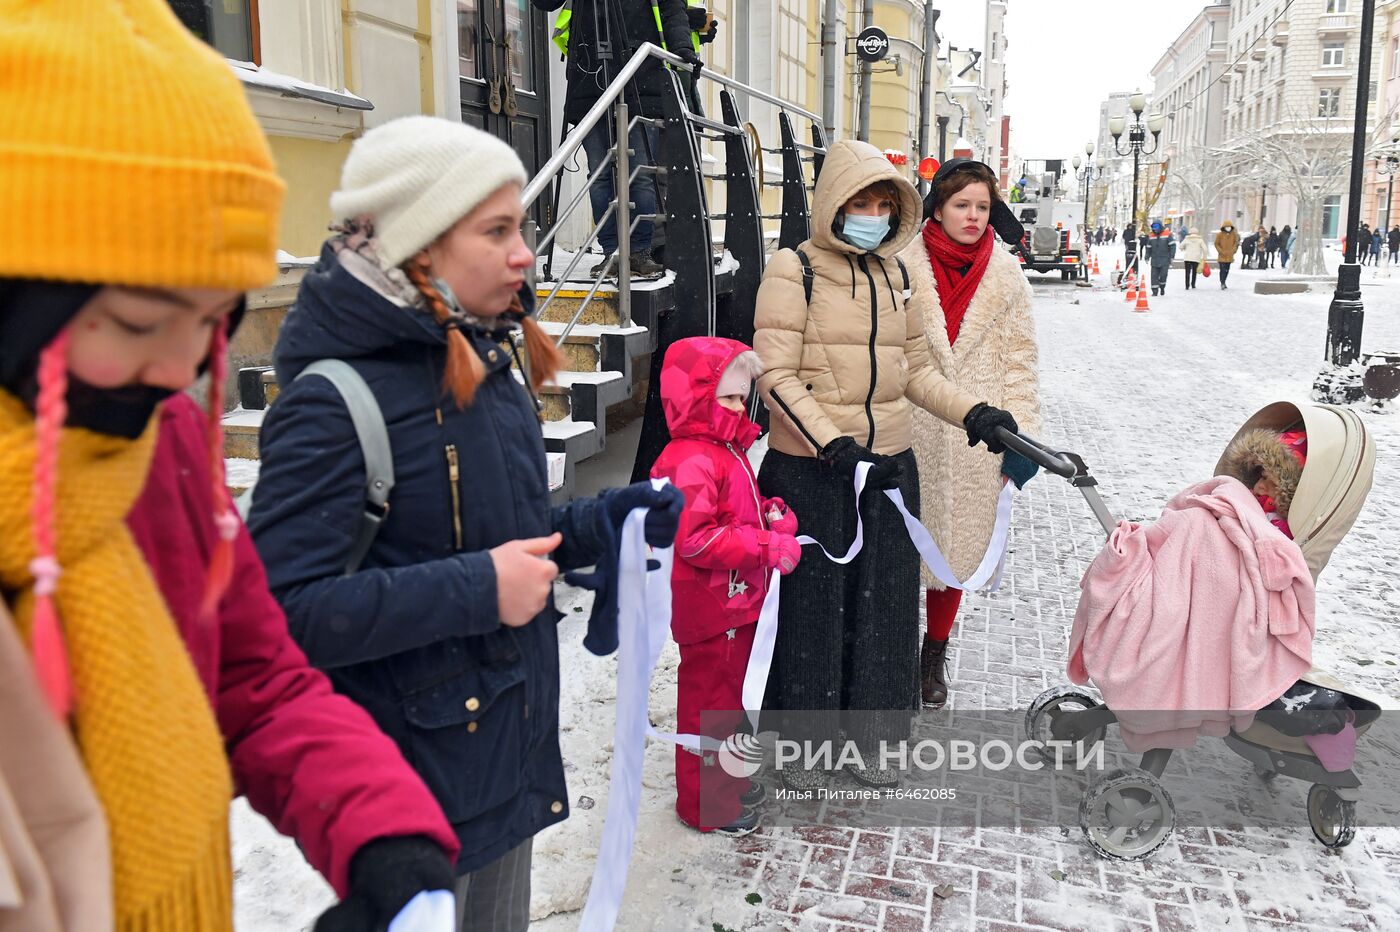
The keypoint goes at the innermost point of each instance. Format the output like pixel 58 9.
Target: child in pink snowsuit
pixel 1270 463
pixel 730 540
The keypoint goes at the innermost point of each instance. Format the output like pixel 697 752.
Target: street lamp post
pixel 1386 166
pixel 1085 177
pixel 1263 202
pixel 1137 145
pixel 1346 313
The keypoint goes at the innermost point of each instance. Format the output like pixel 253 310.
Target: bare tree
pixel 1310 158
pixel 1199 179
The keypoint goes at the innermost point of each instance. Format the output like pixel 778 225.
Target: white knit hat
pixel 416 176
pixel 745 368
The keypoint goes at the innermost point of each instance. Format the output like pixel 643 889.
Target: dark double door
pixel 503 59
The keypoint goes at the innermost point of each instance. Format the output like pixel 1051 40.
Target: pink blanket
pixel 1189 625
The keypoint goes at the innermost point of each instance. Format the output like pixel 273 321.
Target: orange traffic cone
pixel 1132 286
pixel 1141 306
pixel 1095 269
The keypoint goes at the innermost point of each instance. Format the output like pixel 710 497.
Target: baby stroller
pixel 1128 814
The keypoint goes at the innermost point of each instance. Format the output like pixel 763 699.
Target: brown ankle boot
pixel 932 673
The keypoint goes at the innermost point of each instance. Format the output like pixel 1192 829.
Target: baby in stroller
pixel 1309 469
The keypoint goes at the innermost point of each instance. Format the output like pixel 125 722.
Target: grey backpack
pixel 373 435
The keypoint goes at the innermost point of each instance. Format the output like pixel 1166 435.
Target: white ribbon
pixel 644 621
pixel 644 624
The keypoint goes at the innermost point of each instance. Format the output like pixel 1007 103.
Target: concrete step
pixel 599 347
pixel 578 439
pixel 584 396
pixel 602 309
pixel 241 428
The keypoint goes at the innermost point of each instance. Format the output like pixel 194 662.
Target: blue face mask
pixel 865 231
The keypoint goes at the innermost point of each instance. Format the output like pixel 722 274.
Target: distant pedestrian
pixel 1285 245
pixel 1248 246
pixel 1193 253
pixel 1363 245
pixel 1271 245
pixel 1227 241
pixel 1376 240
pixel 1160 249
pixel 1393 241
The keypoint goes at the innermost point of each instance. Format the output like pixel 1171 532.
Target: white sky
pixel 1065 57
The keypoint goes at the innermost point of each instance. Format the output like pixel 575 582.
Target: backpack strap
pixel 373 435
pixel 904 272
pixel 808 276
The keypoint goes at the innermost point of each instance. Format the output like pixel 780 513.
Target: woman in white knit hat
pixel 446 629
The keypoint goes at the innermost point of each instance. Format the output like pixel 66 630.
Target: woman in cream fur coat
pixel 976 307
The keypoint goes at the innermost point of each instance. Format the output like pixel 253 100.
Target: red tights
pixel 942 607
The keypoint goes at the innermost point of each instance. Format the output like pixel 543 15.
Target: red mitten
pixel 784 552
pixel 780 519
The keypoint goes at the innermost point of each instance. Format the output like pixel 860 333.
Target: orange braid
pixel 46 639
pixel 220 572
pixel 464 370
pixel 546 359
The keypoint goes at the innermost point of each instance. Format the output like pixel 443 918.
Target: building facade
pixel 1293 79
pixel 1188 87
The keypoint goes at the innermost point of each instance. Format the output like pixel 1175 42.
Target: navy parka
pixel 414 635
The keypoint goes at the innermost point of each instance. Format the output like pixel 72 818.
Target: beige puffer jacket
pixel 848 363
pixel 995 357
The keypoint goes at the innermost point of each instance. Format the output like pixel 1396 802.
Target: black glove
pixel 384 875
pixel 981 424
pixel 601 638
pixel 843 455
pixel 664 509
pixel 689 56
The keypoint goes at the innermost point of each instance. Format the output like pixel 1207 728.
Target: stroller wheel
pixel 1127 815
pixel 1052 704
pixel 1332 818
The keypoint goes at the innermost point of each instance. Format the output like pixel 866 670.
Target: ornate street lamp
pixel 1085 177
pixel 1345 315
pixel 1137 145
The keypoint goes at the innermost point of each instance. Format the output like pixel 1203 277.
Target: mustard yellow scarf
pixel 142 721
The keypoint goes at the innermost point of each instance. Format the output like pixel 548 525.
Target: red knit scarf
pixel 958 270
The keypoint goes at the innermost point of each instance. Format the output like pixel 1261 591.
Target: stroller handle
pixel 1038 453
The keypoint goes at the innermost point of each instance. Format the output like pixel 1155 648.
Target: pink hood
pixel 689 376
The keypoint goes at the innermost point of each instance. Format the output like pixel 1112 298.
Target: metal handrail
pixel 760 95
pixel 574 141
pixel 646 51
pixel 624 174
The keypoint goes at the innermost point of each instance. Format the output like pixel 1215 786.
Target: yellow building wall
pixel 311 170
pixel 893 120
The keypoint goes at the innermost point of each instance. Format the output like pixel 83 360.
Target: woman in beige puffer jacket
pixel 841 371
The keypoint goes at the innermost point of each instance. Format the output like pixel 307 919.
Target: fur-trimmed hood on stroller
pixel 1320 499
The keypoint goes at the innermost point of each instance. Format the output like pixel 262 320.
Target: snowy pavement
pixel 1149 400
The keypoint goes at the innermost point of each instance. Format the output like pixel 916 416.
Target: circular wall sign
pixel 872 44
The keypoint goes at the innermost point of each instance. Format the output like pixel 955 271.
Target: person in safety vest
pixel 590 32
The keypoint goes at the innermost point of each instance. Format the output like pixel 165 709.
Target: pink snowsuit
pixel 725 551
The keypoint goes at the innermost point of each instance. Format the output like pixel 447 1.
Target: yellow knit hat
pixel 128 152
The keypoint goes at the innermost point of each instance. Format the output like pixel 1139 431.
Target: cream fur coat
pixel 994 360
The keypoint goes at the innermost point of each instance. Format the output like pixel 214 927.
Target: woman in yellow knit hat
pixel 146 674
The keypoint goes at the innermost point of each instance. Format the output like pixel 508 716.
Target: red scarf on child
pixel 958 270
